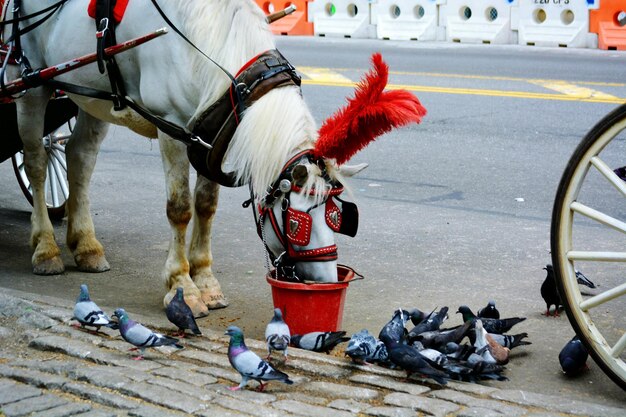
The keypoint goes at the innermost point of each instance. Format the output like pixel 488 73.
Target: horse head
pixel 303 208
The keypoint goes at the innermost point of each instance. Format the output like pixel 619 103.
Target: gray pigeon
pixel 140 336
pixel 87 313
pixel 249 364
pixel 573 357
pixel 498 326
pixel 408 358
pixel 437 339
pixel 481 342
pixel 277 334
pixel 510 340
pixel 433 322
pixel 319 341
pixel 394 330
pixel 180 314
pixel 417 316
pixel 363 348
pixel 489 311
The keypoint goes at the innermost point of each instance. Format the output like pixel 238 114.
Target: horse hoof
pixel 214 301
pixel 52 266
pixel 91 262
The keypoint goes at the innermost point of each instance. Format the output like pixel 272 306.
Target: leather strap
pixel 216 126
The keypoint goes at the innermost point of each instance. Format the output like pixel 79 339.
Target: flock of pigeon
pixel 247 363
pixel 427 350
pixel 437 353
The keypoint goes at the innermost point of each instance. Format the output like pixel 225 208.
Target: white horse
pixel 176 82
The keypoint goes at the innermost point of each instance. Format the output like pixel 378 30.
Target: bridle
pixel 293 227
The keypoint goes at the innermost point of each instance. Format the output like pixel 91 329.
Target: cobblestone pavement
pixel 50 369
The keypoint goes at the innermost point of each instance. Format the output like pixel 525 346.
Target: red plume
pixel 369 114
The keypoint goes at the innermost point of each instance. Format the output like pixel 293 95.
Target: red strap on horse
pixel 118 10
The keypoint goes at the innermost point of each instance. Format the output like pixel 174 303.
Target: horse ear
pixel 351 170
pixel 299 174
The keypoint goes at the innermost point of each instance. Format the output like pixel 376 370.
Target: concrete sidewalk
pixel 48 368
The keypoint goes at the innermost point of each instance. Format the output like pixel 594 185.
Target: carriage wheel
pixel 588 232
pixel 56 186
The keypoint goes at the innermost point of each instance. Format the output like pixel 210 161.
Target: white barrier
pixel 347 18
pixel 480 21
pixel 556 23
pixel 406 19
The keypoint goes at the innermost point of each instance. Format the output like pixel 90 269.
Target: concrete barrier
pixel 562 23
pixel 407 19
pixel 604 22
pixel 480 21
pixel 347 18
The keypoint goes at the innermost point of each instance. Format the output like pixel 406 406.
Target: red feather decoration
pixel 369 114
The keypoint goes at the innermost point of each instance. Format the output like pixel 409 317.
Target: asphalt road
pixel 453 211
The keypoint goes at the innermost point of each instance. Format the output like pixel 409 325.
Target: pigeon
pixel 549 292
pixel 363 348
pixel 621 171
pixel 481 344
pixel 249 364
pixel 394 330
pixel 87 313
pixel 457 351
pixel 437 339
pixel 140 336
pixel 489 311
pixel 573 357
pixel 510 341
pixel 410 360
pixel 431 323
pixel 417 316
pixel 498 326
pixel 180 314
pixel 499 352
pixel 277 334
pixel 319 341
pixel 583 280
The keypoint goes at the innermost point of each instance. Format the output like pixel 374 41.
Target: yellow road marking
pixel 481 77
pixel 573 90
pixel 323 75
pixel 480 92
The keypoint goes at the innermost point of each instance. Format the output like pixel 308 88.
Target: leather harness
pixel 210 137
pixel 217 124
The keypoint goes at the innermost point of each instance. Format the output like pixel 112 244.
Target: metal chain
pixel 265 250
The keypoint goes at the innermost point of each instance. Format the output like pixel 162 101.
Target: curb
pixel 49 368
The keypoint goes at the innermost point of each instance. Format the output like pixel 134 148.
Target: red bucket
pixel 312 307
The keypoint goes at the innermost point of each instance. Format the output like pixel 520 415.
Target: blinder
pixel 294 227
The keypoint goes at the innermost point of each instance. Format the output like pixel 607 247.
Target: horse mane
pixel 229 32
pixel 279 123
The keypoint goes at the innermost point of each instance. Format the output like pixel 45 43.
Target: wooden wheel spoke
pixel 608 173
pixel 598 216
pixel 603 297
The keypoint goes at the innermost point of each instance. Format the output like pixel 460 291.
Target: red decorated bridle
pixel 293 227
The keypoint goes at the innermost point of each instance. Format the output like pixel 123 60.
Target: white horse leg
pixel 81 153
pixel 176 273
pixel 200 257
pixel 46 258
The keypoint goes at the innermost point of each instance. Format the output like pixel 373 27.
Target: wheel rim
pixel 56 186
pixel 585 211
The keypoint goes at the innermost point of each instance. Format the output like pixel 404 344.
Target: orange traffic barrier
pixel 296 23
pixel 604 22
